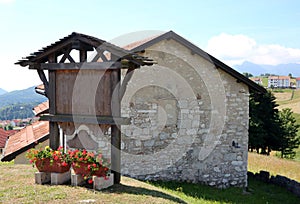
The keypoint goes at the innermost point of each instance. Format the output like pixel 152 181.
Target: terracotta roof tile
pixel 140 42
pixel 41 108
pixel 4 135
pixel 279 77
pixel 26 136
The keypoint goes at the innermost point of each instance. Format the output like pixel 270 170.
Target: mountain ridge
pixel 258 69
pixel 2 91
pixel 24 96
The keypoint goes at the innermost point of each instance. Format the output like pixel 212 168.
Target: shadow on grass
pixel 259 192
pixel 121 188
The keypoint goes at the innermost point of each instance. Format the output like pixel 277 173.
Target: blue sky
pixel 263 32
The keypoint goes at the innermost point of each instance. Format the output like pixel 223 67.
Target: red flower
pixel 80 159
pixel 89 167
pixel 94 165
pixel 90 181
pixel 55 158
pixel 64 164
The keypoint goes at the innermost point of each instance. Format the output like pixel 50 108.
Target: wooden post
pixel 82 55
pixel 53 127
pixel 115 129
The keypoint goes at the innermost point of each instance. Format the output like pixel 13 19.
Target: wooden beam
pixel 53 126
pixel 115 129
pixel 86 119
pixel 81 65
pixel 127 78
pixel 83 55
pixel 44 80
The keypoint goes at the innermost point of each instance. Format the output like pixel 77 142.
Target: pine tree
pixel 290 139
pixel 264 125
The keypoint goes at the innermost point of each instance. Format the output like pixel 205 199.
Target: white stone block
pixel 60 178
pixel 42 177
pixel 77 180
pixel 102 183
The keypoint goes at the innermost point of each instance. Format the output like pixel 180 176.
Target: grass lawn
pixel 17 186
pixel 275 165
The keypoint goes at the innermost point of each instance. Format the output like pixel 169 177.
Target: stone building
pixel 189 116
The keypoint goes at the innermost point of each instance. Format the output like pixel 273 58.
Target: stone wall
pixel 189 120
pixel 289 184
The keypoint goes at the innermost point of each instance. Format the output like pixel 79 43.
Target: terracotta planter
pixel 82 169
pixel 56 167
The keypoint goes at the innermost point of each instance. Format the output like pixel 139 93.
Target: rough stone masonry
pixel 189 120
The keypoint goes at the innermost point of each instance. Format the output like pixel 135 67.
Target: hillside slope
pixel 288 99
pixel 21 97
pixel 2 91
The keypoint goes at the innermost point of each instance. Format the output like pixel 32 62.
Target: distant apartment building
pixel 279 81
pixel 257 80
pixel 298 82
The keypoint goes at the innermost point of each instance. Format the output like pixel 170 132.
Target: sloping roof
pixel 4 135
pixel 279 77
pixel 142 45
pixel 255 79
pixel 41 108
pixel 25 139
pixel 80 41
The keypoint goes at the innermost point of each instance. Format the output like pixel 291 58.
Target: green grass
pixel 274 165
pixel 259 193
pixel 265 81
pixel 17 186
pixel 295 96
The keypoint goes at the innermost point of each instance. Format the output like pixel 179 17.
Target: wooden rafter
pixel 127 78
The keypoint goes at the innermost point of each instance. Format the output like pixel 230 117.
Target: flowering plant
pixel 58 155
pixel 89 164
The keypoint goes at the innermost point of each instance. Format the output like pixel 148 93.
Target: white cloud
pixel 236 49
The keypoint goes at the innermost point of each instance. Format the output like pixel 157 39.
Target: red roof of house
pixel 140 42
pixel 255 79
pixel 3 136
pixel 25 139
pixel 41 108
pixel 298 79
pixel 279 77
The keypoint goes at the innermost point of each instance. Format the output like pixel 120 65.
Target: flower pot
pixel 81 168
pixel 44 165
pixel 102 172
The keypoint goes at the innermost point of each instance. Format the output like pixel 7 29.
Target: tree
pixel 264 125
pixel 290 139
pixel 246 74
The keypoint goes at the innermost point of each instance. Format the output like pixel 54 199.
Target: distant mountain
pixel 21 97
pixel 2 91
pixel 281 69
